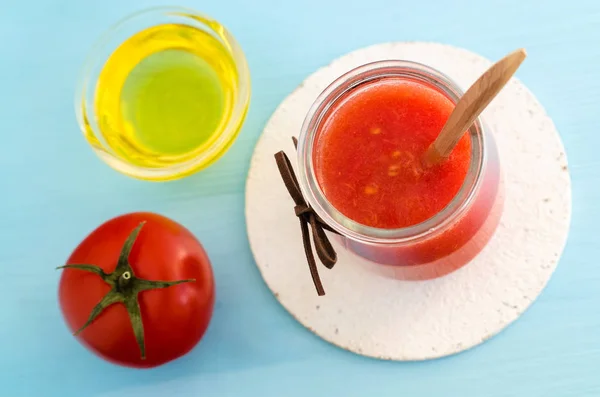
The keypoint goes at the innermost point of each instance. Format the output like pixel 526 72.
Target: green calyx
pixel 125 289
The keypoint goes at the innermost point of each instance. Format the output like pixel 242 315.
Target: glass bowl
pixel 109 139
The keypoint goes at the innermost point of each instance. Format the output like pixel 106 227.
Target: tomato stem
pixel 109 299
pixel 125 289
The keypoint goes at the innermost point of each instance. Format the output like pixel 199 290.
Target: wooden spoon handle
pixel 472 103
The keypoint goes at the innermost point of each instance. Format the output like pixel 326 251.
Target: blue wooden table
pixel 54 191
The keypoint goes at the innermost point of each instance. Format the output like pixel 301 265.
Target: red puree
pixel 368 154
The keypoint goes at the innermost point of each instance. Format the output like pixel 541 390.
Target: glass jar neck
pixel 323 106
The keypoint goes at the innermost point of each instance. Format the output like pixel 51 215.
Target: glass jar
pixel 445 241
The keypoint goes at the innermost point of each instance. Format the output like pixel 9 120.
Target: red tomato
pixel 173 318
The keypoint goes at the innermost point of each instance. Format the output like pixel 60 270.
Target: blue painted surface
pixel 54 191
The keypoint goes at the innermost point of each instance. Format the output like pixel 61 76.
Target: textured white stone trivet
pixel 383 317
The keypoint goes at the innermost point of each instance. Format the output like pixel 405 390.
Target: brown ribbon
pixel 307 216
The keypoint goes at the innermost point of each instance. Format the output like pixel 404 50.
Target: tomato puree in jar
pixel 369 148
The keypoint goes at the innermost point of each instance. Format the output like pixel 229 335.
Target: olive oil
pixel 165 95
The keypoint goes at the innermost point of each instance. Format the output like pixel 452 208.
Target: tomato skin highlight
pixel 174 318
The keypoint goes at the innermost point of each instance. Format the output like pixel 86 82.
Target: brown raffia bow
pixel 307 216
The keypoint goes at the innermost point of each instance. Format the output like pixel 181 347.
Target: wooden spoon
pixel 471 104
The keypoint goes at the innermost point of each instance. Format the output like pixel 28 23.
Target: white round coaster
pixel 380 316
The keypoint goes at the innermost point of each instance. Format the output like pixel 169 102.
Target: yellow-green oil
pixel 165 95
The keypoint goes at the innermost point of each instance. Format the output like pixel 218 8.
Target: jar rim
pixel 109 42
pixel 329 96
